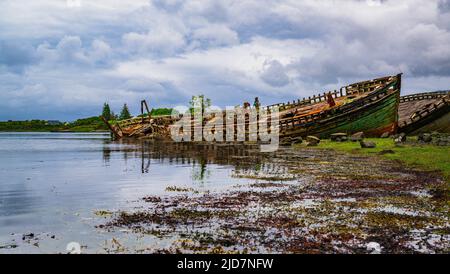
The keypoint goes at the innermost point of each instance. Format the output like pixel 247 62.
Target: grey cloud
pixel 168 5
pixel 274 74
pixel 214 47
pixel 214 35
pixel 16 55
pixel 444 5
pixel 70 51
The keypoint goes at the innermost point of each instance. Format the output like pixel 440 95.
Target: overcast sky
pixel 62 59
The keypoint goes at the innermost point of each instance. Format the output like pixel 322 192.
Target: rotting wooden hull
pixel 425 112
pixel 369 106
pixel 374 115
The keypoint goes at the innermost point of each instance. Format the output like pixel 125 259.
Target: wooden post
pixel 113 130
pixel 144 104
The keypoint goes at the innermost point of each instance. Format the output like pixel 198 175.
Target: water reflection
pixel 53 183
pixel 245 159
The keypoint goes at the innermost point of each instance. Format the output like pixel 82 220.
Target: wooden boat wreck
pixel 369 106
pixel 425 112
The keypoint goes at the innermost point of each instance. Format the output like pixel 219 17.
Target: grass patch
pixel 425 157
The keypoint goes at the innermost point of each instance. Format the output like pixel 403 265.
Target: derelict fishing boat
pixel 142 125
pixel 370 107
pixel 425 112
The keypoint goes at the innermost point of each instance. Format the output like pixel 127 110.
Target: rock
pixel 367 144
pixel 312 141
pixel 374 247
pixel 399 138
pixel 385 135
pixel 342 139
pixel 297 140
pixel 442 142
pixel 420 137
pixel 28 236
pixel 337 136
pixel 435 134
pixel 287 141
pixel 357 137
pixel 425 137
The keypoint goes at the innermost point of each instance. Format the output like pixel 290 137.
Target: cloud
pixel 58 61
pixel 274 74
pixel 16 56
pixel 156 43
pixel 215 35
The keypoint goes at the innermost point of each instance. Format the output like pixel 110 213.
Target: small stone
pixel 357 137
pixel 287 141
pixel 297 140
pixel 385 135
pixel 400 138
pixel 367 144
pixel 442 142
pixel 312 141
pixel 425 137
pixel 336 136
pixel 435 134
pixel 374 248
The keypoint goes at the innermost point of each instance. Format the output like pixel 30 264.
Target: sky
pixel 62 59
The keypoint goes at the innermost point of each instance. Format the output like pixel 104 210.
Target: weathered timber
pixel 373 111
pixel 369 106
pixel 425 112
pixel 115 132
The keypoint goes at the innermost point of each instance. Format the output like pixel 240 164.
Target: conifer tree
pixel 106 113
pixel 125 113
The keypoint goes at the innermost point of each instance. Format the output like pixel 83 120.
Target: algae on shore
pixel 337 203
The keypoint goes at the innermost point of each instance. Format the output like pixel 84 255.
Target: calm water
pixel 51 184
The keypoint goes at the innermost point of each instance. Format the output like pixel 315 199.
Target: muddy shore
pixel 302 200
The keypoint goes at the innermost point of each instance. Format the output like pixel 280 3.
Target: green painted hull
pixel 373 119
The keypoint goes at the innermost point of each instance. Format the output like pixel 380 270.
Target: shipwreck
pixel 373 107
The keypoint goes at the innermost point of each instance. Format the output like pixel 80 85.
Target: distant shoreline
pixel 90 124
pixel 56 131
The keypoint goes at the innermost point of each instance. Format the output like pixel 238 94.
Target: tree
pixel 106 113
pixel 125 113
pixel 199 102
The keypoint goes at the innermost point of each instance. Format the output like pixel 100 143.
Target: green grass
pixel 425 157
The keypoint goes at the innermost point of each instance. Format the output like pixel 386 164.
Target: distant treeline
pixel 161 111
pixel 80 125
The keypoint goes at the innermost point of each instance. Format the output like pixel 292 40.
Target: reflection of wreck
pixel 370 106
pixel 246 159
pixel 199 155
pixel 425 112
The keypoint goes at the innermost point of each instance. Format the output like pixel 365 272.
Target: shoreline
pixel 54 131
pixel 322 209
